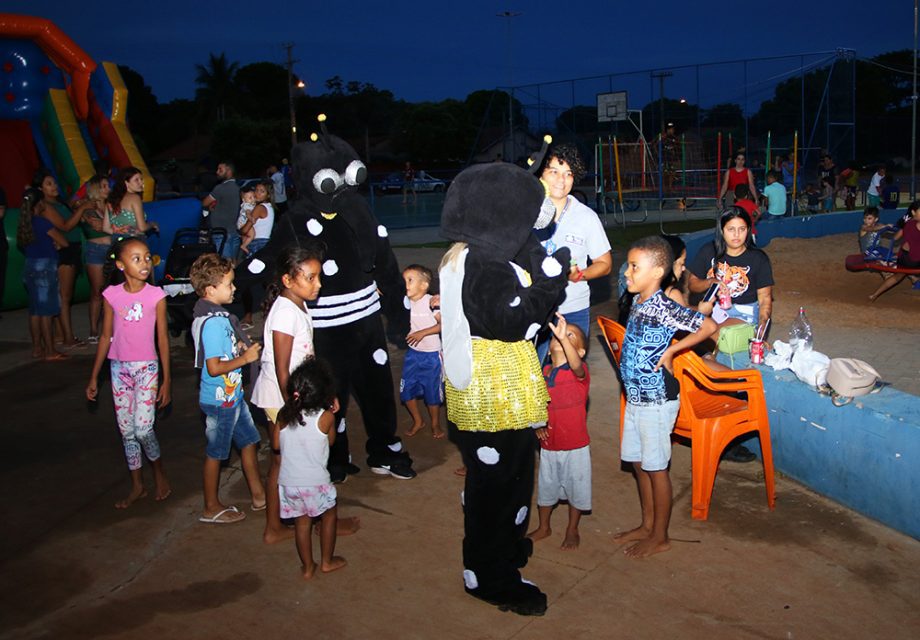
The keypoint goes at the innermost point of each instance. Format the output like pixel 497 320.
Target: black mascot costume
pixel 359 265
pixel 498 287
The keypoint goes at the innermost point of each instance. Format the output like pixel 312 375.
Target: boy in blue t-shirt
pixel 227 416
pixel 652 391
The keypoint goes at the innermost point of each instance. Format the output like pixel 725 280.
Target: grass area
pixel 620 238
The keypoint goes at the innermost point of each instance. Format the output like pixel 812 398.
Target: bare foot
pixel 308 570
pixel 136 494
pixel 572 540
pixel 273 536
pixel 437 432
pixel 163 491
pixel 539 534
pixel 416 427
pixel 460 471
pixel 633 535
pixel 343 526
pixel 646 548
pixel 872 298
pixel 337 562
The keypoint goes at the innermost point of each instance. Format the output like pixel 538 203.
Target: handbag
pixel 850 378
pixel 734 338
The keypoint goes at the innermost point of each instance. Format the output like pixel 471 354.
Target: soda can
pixel 725 299
pixel 756 351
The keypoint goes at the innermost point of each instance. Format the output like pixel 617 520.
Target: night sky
pixel 445 49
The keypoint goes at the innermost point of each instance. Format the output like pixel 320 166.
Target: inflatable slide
pixel 61 110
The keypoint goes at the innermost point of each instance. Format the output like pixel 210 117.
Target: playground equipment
pixel 632 174
pixel 62 110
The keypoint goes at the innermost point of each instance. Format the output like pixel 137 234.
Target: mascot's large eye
pixel 327 181
pixel 355 173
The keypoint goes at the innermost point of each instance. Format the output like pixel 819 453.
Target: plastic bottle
pixel 801 332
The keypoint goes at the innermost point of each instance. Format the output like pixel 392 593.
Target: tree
pixel 434 132
pixel 355 109
pixel 216 90
pixel 252 144
pixel 143 109
pixel 489 108
pixel 262 91
pixel 175 123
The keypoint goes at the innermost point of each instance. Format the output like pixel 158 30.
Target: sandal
pixel 226 516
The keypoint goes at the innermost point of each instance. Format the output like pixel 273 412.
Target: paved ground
pixel 71 566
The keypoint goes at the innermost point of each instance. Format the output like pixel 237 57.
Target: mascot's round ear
pixel 535 161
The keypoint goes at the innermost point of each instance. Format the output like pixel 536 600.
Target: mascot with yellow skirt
pixel 498 287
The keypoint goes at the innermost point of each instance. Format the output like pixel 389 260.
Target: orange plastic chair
pixel 711 415
pixel 614 333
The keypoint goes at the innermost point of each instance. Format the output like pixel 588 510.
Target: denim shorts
pixel 256 244
pixel 226 424
pixel 749 313
pixel 231 246
pixel 647 434
pixel 40 276
pixel 96 252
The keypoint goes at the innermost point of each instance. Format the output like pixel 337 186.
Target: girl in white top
pixel 288 341
pixel 305 432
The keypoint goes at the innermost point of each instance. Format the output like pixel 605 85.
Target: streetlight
pixel 509 16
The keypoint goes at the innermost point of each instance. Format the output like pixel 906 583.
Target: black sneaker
pixel 401 471
pixel 338 475
pixel 352 469
pixel 739 453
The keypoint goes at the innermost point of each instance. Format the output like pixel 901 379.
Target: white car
pixel 425 182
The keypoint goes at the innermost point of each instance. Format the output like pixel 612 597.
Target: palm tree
pixel 215 84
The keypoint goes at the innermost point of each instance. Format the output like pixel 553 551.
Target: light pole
pixel 509 16
pixel 289 46
pixel 661 75
pixel 913 120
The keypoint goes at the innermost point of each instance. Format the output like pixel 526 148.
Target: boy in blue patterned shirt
pixel 652 391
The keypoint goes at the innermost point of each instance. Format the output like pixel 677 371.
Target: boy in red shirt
pixel 744 200
pixel 565 459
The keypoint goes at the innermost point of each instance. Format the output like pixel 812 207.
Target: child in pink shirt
pixel 421 375
pixel 133 312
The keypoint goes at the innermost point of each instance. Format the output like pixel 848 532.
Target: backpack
pixel 850 378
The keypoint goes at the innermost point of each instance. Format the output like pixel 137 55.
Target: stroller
pixel 186 246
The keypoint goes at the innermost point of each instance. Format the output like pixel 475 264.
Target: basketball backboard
pixel 612 107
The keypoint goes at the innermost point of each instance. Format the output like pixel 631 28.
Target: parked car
pixel 424 182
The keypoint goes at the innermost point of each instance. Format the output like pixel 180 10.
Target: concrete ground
pixel 71 566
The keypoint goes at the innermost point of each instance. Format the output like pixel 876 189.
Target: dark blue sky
pixel 441 48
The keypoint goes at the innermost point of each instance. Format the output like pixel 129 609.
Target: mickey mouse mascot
pixel 498 287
